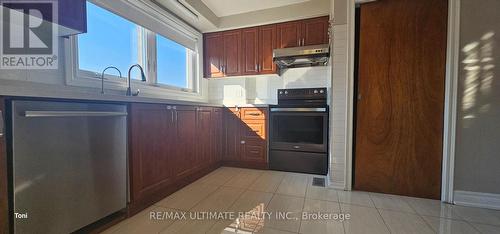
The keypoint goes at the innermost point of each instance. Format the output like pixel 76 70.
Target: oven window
pixel 298 129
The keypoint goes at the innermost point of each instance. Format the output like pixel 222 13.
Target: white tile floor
pixel 244 190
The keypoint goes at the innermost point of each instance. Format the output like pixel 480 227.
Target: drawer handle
pixel 242 142
pixel 296 147
pixel 254 114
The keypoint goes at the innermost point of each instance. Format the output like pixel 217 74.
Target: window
pixel 171 63
pixel 111 40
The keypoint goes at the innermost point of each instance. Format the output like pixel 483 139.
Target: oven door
pixel 299 129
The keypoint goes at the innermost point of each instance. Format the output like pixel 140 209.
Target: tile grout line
pixel 304 203
pixel 381 216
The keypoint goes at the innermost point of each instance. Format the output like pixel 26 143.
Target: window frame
pixel 77 77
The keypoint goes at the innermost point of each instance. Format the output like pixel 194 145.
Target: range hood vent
pixel 304 56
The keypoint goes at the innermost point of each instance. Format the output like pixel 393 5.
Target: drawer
pixel 254 151
pixel 253 113
pixel 254 129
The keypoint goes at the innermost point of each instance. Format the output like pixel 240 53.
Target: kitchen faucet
pixel 102 76
pixel 143 78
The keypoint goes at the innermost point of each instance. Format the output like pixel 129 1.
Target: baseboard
pixel 475 199
pixel 335 185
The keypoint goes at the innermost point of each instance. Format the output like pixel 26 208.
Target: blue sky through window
pixel 110 41
pixel 171 62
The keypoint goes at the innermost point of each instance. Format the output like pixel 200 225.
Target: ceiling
pixel 223 8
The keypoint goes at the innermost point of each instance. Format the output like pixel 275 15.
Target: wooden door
pixel 267 43
pixel 232 124
pixel 288 34
pixel 4 204
pixel 250 50
pixel 185 125
pixel 232 53
pixel 315 31
pixel 151 149
pixel 204 136
pixel 213 54
pixel 401 84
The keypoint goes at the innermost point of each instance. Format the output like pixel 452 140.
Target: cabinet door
pixel 151 149
pixel 250 50
pixel 185 125
pixel 267 43
pixel 232 53
pixel 315 31
pixel 232 132
pixel 4 210
pixel 288 34
pixel 204 135
pixel 254 151
pixel 73 16
pixel 254 134
pixel 214 54
pixel 218 133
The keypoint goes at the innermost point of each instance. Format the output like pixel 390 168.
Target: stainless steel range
pixel 299 131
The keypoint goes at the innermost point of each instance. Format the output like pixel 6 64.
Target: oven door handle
pixel 283 109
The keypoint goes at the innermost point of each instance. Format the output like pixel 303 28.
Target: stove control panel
pixel 311 93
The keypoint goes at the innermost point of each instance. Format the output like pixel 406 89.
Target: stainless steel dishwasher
pixel 69 164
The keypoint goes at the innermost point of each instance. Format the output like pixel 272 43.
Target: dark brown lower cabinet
pixel 246 137
pixel 170 147
pixel 4 202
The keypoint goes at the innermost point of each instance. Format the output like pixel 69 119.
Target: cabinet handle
pixel 242 142
pixel 298 42
pixel 256 67
pixel 303 41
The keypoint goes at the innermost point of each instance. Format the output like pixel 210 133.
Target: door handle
pixel 39 114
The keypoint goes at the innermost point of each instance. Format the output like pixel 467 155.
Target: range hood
pixel 304 56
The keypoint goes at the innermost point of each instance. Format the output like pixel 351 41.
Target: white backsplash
pixel 262 89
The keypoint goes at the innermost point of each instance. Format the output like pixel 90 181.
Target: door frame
pixel 450 105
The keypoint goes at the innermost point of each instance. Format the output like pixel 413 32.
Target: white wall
pixel 262 89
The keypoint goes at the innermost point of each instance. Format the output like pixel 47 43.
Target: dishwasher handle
pixel 41 114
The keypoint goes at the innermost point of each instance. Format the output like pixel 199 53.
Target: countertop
pixel 78 93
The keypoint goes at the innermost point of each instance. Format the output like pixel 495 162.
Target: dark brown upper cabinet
pixel 267 43
pixel 258 44
pixel 303 32
pixel 249 51
pixel 222 54
pixel 315 31
pixel 232 53
pixel 71 15
pixel 289 34
pixel 250 48
pixel 213 54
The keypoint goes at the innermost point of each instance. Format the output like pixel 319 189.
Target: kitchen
pixel 251 107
